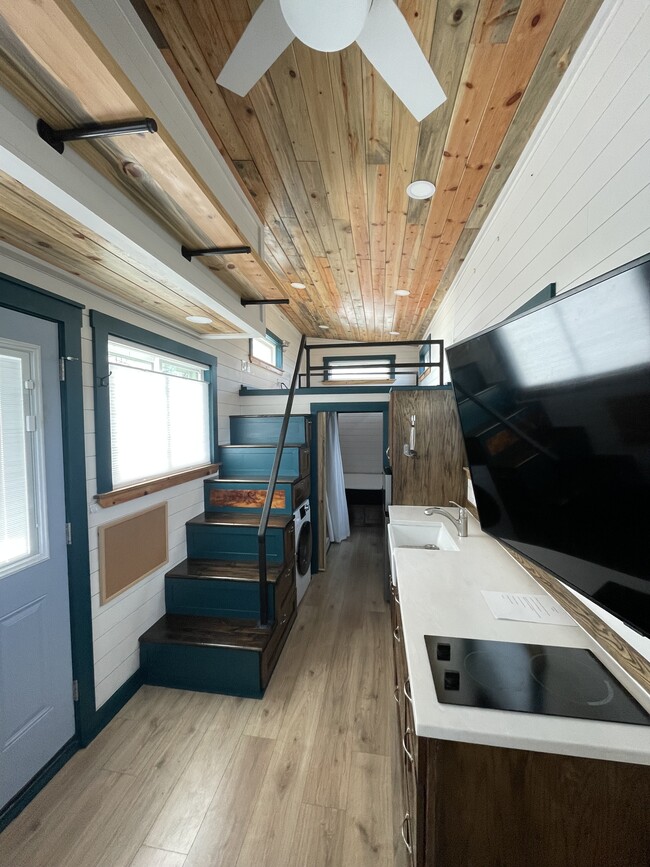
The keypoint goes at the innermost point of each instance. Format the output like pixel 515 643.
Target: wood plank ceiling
pixel 320 146
pixel 326 150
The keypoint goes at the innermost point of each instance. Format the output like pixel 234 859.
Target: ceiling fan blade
pixel 263 41
pixel 389 44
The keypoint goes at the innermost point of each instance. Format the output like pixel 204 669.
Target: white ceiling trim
pixel 118 26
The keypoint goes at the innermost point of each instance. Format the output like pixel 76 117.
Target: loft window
pixel 267 351
pixel 155 405
pixel 359 368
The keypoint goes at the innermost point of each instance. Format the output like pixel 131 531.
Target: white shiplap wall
pixel 578 202
pixel 117 624
pixel 362 449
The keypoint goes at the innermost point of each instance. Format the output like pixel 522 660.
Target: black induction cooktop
pixel 532 678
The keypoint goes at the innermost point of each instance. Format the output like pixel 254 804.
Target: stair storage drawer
pixel 285 616
pixel 247 497
pixel 265 429
pixel 256 462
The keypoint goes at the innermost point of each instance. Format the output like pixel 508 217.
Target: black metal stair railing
pixel 266 511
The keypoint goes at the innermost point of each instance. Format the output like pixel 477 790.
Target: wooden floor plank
pixel 148 857
pixel 368 824
pixel 220 837
pixel 301 778
pixel 318 839
pixel 181 817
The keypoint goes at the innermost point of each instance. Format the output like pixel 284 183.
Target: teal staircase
pixel 210 638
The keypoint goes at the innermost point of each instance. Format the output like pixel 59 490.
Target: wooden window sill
pixel 259 363
pixel 132 492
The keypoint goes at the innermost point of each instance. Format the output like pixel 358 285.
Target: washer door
pixel 303 549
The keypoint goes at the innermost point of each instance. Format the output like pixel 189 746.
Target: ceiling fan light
pixel 199 320
pixel 420 190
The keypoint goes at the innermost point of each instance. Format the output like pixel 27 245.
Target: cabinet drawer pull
pixel 397 600
pixel 409 754
pixel 407 839
pixel 396 634
pixel 396 694
pixel 407 689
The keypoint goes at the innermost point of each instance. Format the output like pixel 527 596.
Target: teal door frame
pixel 19 296
pixel 315 408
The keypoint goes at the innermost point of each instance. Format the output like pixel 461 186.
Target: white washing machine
pixel 302 519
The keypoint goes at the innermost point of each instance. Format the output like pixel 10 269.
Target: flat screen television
pixel 555 410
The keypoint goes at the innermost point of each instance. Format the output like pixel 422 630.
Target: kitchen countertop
pixel 440 594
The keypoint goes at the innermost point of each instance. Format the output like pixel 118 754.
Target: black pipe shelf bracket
pixel 213 251
pixel 56 138
pixel 247 302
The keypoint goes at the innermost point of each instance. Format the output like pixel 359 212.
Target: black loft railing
pixel 415 367
pixel 266 511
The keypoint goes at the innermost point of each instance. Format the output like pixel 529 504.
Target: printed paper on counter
pixel 528 607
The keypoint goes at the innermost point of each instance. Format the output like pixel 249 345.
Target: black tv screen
pixel 555 410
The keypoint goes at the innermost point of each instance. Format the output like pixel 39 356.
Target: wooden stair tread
pixel 226 570
pixel 256 480
pixel 187 629
pixel 235 519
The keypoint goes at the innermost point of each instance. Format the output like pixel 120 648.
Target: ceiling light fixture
pixel 324 327
pixel 394 333
pixel 199 320
pixel 298 285
pixel 420 190
pixel 402 292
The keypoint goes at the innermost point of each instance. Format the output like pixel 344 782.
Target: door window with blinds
pixel 23 539
pixel 155 407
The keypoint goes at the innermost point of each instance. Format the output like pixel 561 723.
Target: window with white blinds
pixel 159 413
pixel 22 540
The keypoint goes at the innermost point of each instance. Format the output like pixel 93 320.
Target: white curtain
pixel 338 523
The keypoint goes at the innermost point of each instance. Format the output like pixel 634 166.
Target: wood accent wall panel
pixel 130 549
pixel 534 808
pixel 246 498
pixel 436 475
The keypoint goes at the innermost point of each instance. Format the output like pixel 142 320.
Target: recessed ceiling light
pixel 200 320
pixel 324 327
pixel 402 292
pixel 298 285
pixel 394 333
pixel 420 190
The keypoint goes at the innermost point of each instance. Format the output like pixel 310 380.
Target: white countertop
pixel 440 594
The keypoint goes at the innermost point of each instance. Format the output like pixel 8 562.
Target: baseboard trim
pixel 114 704
pixel 38 782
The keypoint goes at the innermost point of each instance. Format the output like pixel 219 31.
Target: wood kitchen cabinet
pixel 472 805
pixel 435 476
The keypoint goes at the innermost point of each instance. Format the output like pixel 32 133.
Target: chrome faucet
pixel 460 523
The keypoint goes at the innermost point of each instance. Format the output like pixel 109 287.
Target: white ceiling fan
pixel 378 27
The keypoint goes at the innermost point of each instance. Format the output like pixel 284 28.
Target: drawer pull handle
pixel 285 617
pixel 409 754
pixel 397 600
pixel 407 689
pixel 407 823
pixel 396 634
pixel 396 694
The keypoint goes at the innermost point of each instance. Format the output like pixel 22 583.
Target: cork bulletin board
pixel 130 549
